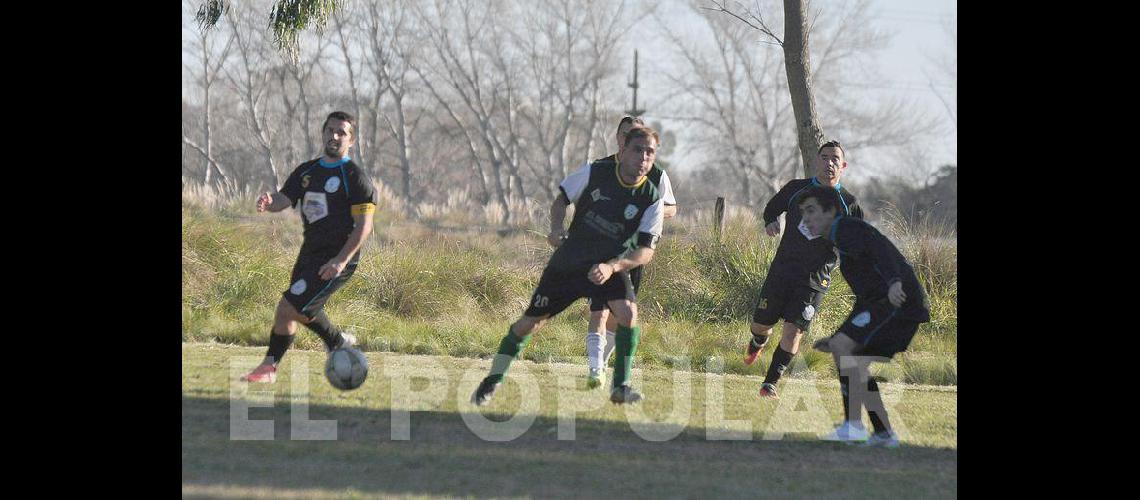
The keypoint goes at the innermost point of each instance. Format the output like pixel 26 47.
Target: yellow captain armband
pixel 363 209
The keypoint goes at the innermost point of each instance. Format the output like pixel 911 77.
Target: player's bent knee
pixel 759 329
pixel 842 345
pixel 625 312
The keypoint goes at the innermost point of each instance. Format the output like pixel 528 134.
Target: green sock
pixel 509 349
pixel 626 339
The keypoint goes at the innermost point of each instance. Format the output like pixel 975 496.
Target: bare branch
pixel 763 27
pixel 208 157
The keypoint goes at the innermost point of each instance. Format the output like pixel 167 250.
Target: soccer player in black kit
pixel 889 306
pixel 618 215
pixel 337 202
pixel 800 273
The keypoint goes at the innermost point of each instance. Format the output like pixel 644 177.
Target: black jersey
pixel 329 195
pixel 610 216
pixel 871 263
pixel 800 255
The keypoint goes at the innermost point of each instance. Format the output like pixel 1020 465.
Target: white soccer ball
pixel 346 368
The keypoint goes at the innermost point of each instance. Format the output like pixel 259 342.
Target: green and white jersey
pixel 610 216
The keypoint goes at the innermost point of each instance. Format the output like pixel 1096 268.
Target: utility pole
pixel 634 111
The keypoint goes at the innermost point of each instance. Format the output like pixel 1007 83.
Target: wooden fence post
pixel 718 217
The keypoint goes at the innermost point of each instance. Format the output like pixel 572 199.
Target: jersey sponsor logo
pixel 332 184
pixel 315 206
pixel 540 301
pixel 598 196
pixel 809 312
pixel 609 229
pixel 861 319
pixel 305 181
pixel 807 233
pixel 630 211
pixel 299 287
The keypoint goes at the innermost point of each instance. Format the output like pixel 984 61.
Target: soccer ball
pixel 346 368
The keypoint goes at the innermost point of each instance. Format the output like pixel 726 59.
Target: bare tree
pixel 353 63
pixel 250 78
pixel 797 68
pixel 767 128
pixel 294 79
pixel 211 59
pixel 733 93
pixel 946 66
pixel 568 50
pixel 393 44
pixel 473 65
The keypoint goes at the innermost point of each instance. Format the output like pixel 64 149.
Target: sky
pixel 919 28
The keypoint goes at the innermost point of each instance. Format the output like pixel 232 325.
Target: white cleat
pixel 847 433
pixel 883 440
pixel 594 379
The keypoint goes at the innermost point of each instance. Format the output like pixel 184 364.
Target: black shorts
pixel 558 289
pixel 879 328
pixel 785 298
pixel 307 291
pixel 634 277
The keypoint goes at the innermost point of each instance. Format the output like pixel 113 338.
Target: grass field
pixel 672 445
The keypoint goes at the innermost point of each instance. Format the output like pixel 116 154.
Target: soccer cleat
pixel 847 432
pixel 484 392
pixel 886 439
pixel 594 379
pixel 266 374
pixel 768 390
pixel 624 394
pixel 822 345
pixel 752 353
pixel 347 340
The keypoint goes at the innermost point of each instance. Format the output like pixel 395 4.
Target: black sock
pixel 325 329
pixel 845 395
pixel 759 340
pixel 875 408
pixel 278 344
pixel 780 361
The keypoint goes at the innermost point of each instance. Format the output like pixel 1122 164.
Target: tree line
pixel 495 101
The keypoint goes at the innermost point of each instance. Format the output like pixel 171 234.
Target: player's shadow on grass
pixel 445 457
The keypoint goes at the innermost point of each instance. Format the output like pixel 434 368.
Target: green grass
pixel 420 290
pixel 608 455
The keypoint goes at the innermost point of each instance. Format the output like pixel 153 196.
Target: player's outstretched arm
pixel 603 271
pixel 273 202
pixel 363 227
pixel 773 229
pixel 557 218
pixel 776 206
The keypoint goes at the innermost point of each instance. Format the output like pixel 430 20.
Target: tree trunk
pixel 797 64
pixel 360 140
pixel 209 144
pixel 402 145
